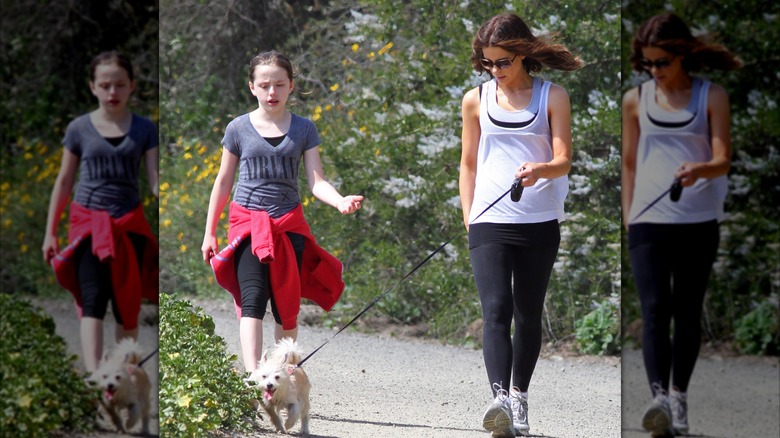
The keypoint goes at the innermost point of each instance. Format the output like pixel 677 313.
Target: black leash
pixel 674 194
pixel 516 190
pixel 140 364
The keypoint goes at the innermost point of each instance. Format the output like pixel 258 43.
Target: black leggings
pixel 94 278
pixel 253 278
pixel 512 265
pixel 671 265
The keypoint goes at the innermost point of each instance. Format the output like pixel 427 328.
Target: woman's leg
pixel 492 266
pixel 95 283
pixel 253 282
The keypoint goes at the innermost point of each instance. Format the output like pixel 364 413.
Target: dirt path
pixel 728 397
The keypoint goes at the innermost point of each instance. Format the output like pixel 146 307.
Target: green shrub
pixel 757 331
pixel 200 390
pixel 41 391
pixel 597 332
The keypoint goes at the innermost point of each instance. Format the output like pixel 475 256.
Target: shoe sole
pixel 657 422
pixel 498 422
pixel 523 431
pixel 681 431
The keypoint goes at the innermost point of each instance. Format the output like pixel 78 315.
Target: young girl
pixel 675 127
pixel 514 126
pixel 112 253
pixel 272 255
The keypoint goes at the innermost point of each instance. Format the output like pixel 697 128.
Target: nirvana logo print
pixel 110 168
pixel 269 168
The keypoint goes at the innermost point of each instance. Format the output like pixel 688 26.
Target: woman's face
pixel 493 57
pixel 112 86
pixel 271 86
pixel 662 65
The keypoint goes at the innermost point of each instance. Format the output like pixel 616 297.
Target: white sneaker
pixel 498 416
pixel 519 412
pixel 658 417
pixel 678 404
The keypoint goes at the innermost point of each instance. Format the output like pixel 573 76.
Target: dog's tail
pixel 287 351
pixel 128 351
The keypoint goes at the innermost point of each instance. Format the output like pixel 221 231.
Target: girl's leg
pixel 492 266
pixel 532 268
pixel 253 281
pixel 652 275
pixel 95 283
pixel 691 275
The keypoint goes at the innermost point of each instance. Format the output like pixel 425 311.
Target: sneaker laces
pixel 501 393
pixel 519 407
pixel 679 407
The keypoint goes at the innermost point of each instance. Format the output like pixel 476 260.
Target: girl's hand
pixel 687 173
pixel 50 248
pixel 349 204
pixel 209 248
pixel 529 172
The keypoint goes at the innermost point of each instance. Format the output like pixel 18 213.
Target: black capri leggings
pixel 512 265
pixel 671 265
pixel 253 279
pixel 94 278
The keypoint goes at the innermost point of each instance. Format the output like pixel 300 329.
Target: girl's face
pixel 271 86
pixel 662 65
pixel 496 57
pixel 112 86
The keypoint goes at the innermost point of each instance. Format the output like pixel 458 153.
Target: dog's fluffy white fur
pixel 124 385
pixel 283 386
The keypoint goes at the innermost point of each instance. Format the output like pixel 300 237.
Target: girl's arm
pixel 469 138
pixel 220 194
pixel 59 198
pixel 630 139
pixel 720 138
pixel 152 162
pixel 322 189
pixel 559 113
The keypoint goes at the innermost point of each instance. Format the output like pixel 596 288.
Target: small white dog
pixel 124 385
pixel 284 386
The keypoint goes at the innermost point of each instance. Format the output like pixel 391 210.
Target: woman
pixel 675 132
pixel 515 126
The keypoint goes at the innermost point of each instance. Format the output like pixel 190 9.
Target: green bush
pixel 596 331
pixel 42 391
pixel 757 331
pixel 200 391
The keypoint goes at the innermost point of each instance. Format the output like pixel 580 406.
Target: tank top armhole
pixel 480 92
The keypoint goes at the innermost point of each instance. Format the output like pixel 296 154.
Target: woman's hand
pixel 349 204
pixel 209 248
pixel 687 173
pixel 50 248
pixel 529 172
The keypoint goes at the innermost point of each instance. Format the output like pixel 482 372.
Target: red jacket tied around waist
pixel 112 245
pixel 319 278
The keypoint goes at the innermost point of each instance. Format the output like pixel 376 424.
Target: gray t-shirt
pixel 268 175
pixel 108 174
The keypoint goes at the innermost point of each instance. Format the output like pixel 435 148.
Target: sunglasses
pixel 502 63
pixel 658 63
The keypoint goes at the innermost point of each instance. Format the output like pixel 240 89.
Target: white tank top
pixel 666 140
pixel 508 139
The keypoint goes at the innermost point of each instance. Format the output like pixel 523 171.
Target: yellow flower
pixel 334 87
pixel 315 117
pixel 371 56
pixel 328 107
pixel 355 47
pixel 24 248
pixel 183 248
pixel 187 156
pixel 164 186
pixel 387 47
pixel 184 401
pixel 167 223
pixel 180 236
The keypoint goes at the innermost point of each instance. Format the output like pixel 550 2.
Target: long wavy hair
pixel 509 32
pixel 669 32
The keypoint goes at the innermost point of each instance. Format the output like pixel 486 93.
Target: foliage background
pixel 746 274
pixel 383 81
pixel 46 48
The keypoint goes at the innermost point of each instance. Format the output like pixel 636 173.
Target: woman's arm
pixel 223 185
pixel 468 155
pixel 630 141
pixel 152 162
pixel 322 189
pixel 559 113
pixel 59 198
pixel 719 116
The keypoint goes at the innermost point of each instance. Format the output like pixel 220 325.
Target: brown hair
pixel 111 57
pixel 271 57
pixel 669 32
pixel 509 32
